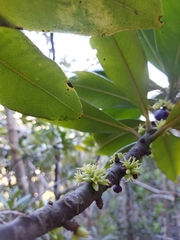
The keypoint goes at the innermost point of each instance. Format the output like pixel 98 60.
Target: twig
pixel 52 46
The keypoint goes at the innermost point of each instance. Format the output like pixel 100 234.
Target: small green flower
pixel 141 129
pixel 162 103
pixel 169 105
pixel 160 123
pixel 116 156
pixel 158 104
pixel 133 168
pixel 91 173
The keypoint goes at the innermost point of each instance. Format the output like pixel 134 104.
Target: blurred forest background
pixel 38 162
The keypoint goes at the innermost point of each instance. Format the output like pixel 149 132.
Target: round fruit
pixel 117 188
pixel 161 114
pixel 135 176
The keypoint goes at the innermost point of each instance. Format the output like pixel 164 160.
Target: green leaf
pixel 31 83
pixel 174 117
pixel 111 143
pixel 167 155
pixel 148 40
pixel 107 144
pixel 99 91
pixel 95 121
pixel 90 17
pixel 123 113
pixel 162 46
pixel 124 62
pixel 153 86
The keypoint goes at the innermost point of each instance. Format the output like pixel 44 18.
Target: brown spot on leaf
pixel 70 84
pixel 18 28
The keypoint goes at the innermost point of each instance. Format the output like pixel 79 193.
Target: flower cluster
pixel 141 129
pixel 116 157
pixel 160 123
pixel 162 103
pixel 133 168
pixel 162 109
pixel 92 173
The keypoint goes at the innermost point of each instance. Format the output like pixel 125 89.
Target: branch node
pixel 50 203
pixel 99 203
pixel 142 140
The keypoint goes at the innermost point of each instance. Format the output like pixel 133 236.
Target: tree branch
pixel 59 213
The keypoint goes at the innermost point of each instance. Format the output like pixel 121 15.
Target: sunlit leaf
pixel 31 83
pixel 124 62
pixel 167 155
pixel 90 17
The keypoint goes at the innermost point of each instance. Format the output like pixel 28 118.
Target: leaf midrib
pixel 131 77
pixel 131 9
pixel 118 125
pixel 7 65
pixel 107 93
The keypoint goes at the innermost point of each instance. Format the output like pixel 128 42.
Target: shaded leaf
pixel 124 62
pixel 166 153
pixel 174 117
pixel 99 91
pixel 90 17
pixel 31 83
pixel 110 143
pixel 94 121
pixel 153 86
pixel 162 46
pixel 123 113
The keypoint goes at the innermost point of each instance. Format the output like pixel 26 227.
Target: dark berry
pixel 117 188
pixel 135 176
pixel 161 114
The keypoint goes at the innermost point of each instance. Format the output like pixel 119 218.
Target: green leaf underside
pixel 124 62
pixel 174 117
pixel 162 46
pixel 167 155
pixel 90 17
pixel 94 121
pixel 123 113
pixel 99 91
pixel 110 143
pixel 31 83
